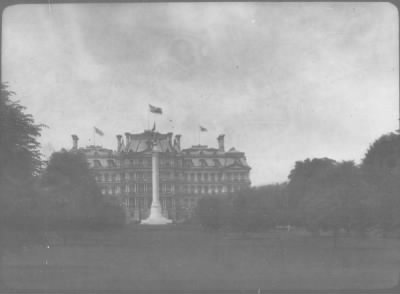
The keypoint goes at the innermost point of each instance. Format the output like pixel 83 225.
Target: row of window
pixel 216 177
pixel 168 188
pixel 145 163
pixel 133 176
pixel 209 189
pixel 136 188
pixel 190 177
pixel 167 203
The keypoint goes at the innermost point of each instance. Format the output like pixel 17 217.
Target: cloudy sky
pixel 282 81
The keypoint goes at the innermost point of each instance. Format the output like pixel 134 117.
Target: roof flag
pixel 203 129
pixel 155 109
pixel 98 131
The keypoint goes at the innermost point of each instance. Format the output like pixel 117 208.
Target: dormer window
pixel 217 163
pixel 97 163
pixel 203 163
pixel 111 163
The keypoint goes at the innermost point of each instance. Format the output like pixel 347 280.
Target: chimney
pixel 75 142
pixel 221 143
pixel 127 136
pixel 119 143
pixel 177 143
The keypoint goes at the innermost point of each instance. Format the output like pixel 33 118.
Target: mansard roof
pixel 219 162
pixel 142 142
pixel 96 150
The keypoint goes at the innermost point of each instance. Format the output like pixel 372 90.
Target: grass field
pixel 183 258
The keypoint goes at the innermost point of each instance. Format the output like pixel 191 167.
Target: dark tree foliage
pixel 19 149
pixel 247 210
pixel 260 208
pixel 20 160
pixel 210 213
pixel 383 154
pixel 20 163
pixel 303 175
pixel 72 195
pixel 381 167
pixel 338 198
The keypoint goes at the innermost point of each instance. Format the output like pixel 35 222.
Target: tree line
pixel 321 194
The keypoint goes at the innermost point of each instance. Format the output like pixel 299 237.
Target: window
pixel 132 202
pixel 140 188
pixel 132 188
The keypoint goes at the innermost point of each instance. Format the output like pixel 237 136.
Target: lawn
pixel 187 258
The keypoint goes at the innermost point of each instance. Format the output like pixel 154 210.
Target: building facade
pixel 186 175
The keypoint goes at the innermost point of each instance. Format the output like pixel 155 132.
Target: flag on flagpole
pixel 203 129
pixel 155 109
pixel 98 131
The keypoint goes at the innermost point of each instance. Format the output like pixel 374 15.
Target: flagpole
pixel 148 120
pixel 94 137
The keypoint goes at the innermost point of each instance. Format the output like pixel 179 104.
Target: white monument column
pixel 156 217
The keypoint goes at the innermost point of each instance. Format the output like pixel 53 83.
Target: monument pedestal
pixel 155 217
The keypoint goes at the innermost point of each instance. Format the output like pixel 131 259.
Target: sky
pixel 283 81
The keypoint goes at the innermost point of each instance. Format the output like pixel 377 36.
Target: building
pixel 186 175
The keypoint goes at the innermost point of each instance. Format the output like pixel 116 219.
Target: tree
pixel 72 193
pixel 381 168
pixel 20 163
pixel 303 175
pixel 210 213
pixel 338 198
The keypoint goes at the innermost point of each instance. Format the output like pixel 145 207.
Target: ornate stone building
pixel 185 174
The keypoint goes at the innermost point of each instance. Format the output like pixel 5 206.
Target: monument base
pixel 156 218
